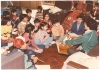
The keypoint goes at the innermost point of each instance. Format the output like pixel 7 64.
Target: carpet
pixel 51 57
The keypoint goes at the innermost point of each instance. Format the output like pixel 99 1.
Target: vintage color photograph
pixel 51 34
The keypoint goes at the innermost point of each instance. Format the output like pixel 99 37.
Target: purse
pixel 63 48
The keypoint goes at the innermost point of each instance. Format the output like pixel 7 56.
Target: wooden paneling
pixel 27 4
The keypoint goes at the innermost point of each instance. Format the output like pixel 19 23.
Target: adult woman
pixel 68 22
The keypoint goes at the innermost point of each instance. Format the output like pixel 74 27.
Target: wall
pixel 27 4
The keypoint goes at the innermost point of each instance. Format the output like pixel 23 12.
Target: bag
pixel 63 48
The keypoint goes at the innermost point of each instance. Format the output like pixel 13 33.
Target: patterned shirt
pixel 41 35
pixel 39 15
pixel 21 27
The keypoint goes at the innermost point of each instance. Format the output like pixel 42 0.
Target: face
pixel 57 24
pixel 45 27
pixel 46 17
pixel 23 46
pixel 8 23
pixel 38 10
pixel 29 14
pixel 14 13
pixel 37 24
pixel 96 8
pixel 79 20
pixel 25 19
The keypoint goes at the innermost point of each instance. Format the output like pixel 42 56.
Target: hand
pixel 48 31
pixel 38 50
pixel 6 52
pixel 58 42
pixel 17 18
pixel 10 39
pixel 80 35
pixel 34 59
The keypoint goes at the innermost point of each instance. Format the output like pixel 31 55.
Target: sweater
pixel 31 41
pixel 6 30
pixel 87 41
pixel 57 31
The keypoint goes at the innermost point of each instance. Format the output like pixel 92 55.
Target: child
pixel 23 22
pixel 6 29
pixel 36 24
pixel 57 30
pixel 42 37
pixel 6 14
pixel 21 45
pixel 78 26
pixel 95 13
pixel 29 12
pixel 29 30
pixel 47 19
pixel 14 17
pixel 39 13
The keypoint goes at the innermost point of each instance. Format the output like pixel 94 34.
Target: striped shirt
pixel 39 15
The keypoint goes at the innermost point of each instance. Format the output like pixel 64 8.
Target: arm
pixel 54 33
pixel 72 28
pixel 76 41
pixel 62 31
pixel 33 44
pixel 46 36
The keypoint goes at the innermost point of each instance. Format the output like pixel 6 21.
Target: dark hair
pixel 5 13
pixel 5 20
pixel 46 14
pixel 97 4
pixel 36 20
pixel 92 24
pixel 43 24
pixel 22 16
pixel 28 29
pixel 28 10
pixel 55 21
pixel 39 7
pixel 80 17
pixel 13 10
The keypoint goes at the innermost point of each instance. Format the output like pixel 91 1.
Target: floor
pixel 51 57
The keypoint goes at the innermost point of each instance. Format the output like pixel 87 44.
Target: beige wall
pixel 27 4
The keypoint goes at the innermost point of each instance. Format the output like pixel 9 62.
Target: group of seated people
pixel 35 37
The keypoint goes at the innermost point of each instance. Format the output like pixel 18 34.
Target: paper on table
pixel 43 67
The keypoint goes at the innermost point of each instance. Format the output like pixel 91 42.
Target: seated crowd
pixel 34 38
